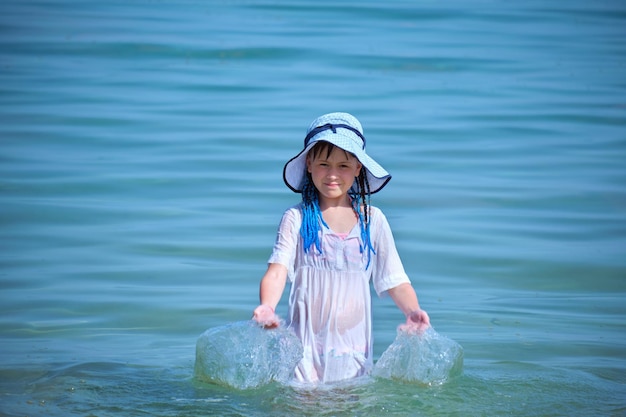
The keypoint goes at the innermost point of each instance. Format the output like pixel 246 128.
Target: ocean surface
pixel 141 152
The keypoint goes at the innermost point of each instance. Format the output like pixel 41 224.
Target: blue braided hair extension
pixel 311 216
pixel 361 197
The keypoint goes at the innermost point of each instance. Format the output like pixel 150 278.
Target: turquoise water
pixel 141 153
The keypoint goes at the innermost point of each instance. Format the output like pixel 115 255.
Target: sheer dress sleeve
pixel 286 244
pixel 387 269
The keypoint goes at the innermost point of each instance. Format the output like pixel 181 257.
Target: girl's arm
pixel 405 298
pixel 270 292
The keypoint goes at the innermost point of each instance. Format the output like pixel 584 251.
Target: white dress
pixel 330 302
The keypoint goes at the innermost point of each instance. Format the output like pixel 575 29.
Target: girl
pixel 330 246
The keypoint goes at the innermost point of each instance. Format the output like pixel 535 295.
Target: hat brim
pixel 295 169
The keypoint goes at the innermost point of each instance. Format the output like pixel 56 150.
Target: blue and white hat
pixel 342 130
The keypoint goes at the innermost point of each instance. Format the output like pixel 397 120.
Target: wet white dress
pixel 330 302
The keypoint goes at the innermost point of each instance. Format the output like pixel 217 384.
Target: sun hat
pixel 342 130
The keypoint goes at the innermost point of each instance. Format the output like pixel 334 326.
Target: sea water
pixel 141 153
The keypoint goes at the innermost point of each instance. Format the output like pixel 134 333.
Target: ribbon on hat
pixel 332 127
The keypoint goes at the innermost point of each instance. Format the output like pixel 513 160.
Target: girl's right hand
pixel 266 317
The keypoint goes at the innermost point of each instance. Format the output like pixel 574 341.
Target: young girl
pixel 330 246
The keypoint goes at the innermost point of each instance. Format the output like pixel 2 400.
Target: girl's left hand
pixel 416 322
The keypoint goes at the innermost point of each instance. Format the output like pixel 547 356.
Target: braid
pixel 361 197
pixel 311 216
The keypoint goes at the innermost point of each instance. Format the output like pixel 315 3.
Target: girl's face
pixel 332 173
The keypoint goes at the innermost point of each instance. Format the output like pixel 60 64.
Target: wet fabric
pixel 329 301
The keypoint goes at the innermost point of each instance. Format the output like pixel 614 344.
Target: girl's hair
pixel 312 216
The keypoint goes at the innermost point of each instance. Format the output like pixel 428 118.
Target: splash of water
pixel 427 358
pixel 243 355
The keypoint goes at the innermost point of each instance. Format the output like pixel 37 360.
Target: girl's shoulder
pixel 377 217
pixel 293 213
pixel 296 209
pixel 375 211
